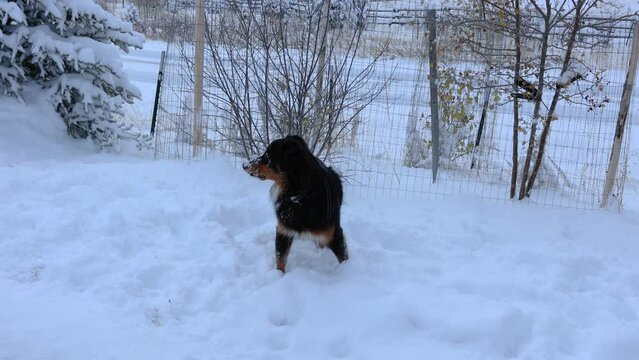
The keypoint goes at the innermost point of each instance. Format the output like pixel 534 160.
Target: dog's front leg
pixel 283 244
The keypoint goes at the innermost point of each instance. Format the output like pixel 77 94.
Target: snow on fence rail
pixel 384 145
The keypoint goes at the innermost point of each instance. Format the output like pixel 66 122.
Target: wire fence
pixel 385 149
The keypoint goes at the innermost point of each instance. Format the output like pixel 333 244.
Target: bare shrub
pixel 275 73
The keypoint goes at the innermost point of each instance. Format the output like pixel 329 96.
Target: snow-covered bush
pixel 276 8
pixel 347 13
pixel 342 13
pixel 211 6
pixel 129 13
pixel 69 49
pixel 458 102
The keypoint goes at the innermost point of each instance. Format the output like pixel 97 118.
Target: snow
pixel 107 256
pixel 86 55
pixel 119 31
pixel 117 258
pixel 32 132
pixel 74 49
pixel 566 78
pixel 12 11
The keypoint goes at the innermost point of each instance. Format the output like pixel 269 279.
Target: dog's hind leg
pixel 283 244
pixel 338 245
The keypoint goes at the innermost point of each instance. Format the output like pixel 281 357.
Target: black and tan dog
pixel 306 194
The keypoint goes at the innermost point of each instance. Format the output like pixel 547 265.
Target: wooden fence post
pixel 434 104
pixel 623 117
pixel 198 77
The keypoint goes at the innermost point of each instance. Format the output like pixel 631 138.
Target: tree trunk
pixel 515 159
pixel 540 91
pixel 555 99
pixel 434 93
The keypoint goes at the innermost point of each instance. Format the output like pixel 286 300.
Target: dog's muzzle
pixel 251 168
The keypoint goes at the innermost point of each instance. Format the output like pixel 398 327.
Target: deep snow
pixel 119 258
pixel 108 256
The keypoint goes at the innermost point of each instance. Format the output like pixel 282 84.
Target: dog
pixel 306 195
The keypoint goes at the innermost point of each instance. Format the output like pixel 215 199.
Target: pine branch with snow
pixel 70 49
pixel 12 36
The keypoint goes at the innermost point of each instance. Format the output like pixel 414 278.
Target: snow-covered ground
pixel 108 256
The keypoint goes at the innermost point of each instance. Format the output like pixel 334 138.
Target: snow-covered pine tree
pixel 129 13
pixel 69 49
pixel 11 76
pixel 346 13
pixel 276 8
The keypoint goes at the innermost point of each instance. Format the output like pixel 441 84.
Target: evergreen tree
pixel 11 40
pixel 69 49
pixel 129 13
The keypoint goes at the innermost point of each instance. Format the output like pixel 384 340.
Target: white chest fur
pixel 275 193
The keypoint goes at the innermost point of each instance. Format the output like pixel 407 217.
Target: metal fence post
pixel 487 92
pixel 434 104
pixel 622 118
pixel 158 87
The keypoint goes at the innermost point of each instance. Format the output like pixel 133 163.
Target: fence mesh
pixel 386 147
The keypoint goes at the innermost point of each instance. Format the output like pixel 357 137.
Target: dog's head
pixel 282 156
